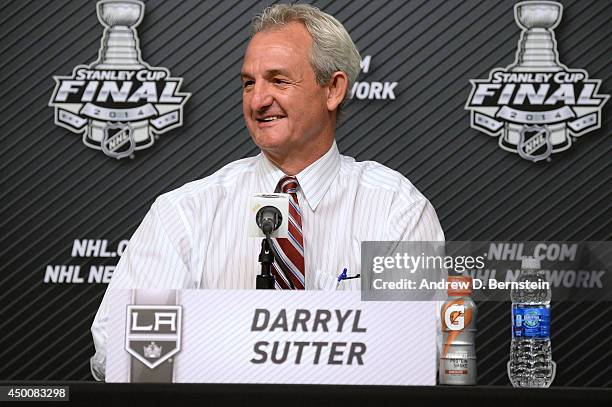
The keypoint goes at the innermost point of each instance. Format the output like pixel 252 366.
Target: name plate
pixel 260 336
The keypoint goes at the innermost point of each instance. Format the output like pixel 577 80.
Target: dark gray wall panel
pixel 55 190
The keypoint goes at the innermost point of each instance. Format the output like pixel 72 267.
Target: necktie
pixel 290 250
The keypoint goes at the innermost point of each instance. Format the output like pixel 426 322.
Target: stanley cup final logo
pixel 119 103
pixel 536 105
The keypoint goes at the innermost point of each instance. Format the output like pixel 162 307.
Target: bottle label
pixel 531 322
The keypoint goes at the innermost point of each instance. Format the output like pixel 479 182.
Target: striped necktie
pixel 290 250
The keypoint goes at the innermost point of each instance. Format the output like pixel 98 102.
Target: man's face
pixel 284 107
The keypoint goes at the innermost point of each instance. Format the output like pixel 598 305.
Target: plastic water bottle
pixel 531 363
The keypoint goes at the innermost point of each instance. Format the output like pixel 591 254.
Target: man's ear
pixel 337 88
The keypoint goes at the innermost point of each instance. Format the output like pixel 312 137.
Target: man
pixel 297 70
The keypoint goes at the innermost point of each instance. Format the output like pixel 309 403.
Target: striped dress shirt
pixel 196 236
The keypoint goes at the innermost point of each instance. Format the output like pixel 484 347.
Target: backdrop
pixel 67 209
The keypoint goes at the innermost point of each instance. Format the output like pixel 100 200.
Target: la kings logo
pixel 536 105
pixel 119 103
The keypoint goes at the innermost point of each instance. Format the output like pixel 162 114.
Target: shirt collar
pixel 314 180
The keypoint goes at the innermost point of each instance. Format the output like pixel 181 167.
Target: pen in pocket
pixel 343 276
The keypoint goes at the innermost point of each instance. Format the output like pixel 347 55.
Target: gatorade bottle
pixel 458 359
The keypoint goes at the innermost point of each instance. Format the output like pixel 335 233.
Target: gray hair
pixel 332 47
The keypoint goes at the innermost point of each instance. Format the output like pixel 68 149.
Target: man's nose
pixel 261 97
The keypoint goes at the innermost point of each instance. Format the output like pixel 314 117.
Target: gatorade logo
pixel 454 317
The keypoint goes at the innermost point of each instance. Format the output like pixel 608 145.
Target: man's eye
pixel 280 82
pixel 247 84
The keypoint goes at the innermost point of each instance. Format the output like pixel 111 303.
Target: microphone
pixel 268 215
pixel 269 218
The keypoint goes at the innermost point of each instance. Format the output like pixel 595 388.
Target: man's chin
pixel 270 141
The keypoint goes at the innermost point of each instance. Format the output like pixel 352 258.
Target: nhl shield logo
pixel 118 140
pixel 153 333
pixel 119 103
pixel 534 143
pixel 536 106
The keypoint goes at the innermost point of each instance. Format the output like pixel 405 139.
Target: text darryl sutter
pixel 308 352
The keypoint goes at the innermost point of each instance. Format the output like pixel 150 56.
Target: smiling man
pixel 289 114
pixel 297 70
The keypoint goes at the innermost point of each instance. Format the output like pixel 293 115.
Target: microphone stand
pixel 265 281
pixel 268 219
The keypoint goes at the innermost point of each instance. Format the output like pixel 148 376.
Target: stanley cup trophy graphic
pixel 119 44
pixel 119 103
pixel 119 50
pixel 537 52
pixel 537 48
pixel 536 106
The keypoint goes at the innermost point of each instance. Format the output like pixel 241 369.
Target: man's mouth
pixel 269 119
